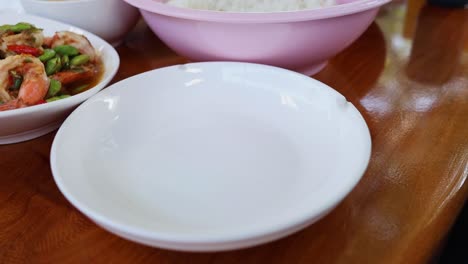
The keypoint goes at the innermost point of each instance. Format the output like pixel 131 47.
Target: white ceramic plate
pixel 31 122
pixel 210 156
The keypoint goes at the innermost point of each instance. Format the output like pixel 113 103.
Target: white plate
pixel 210 156
pixel 31 122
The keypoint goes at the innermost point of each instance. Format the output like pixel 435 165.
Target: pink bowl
pixel 298 40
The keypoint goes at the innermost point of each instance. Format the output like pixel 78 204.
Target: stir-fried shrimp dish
pixel 35 69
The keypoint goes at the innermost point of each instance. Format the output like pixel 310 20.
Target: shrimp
pixel 76 40
pixel 34 86
pixel 31 38
pixel 72 76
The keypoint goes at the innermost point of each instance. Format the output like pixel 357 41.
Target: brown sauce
pixel 90 82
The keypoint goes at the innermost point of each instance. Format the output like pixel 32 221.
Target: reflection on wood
pixel 411 17
pixel 433 46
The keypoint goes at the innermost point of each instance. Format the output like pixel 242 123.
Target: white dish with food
pixel 210 156
pixel 28 107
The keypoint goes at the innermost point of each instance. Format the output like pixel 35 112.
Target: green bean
pixel 80 89
pixel 66 50
pixel 53 65
pixel 79 60
pixel 47 55
pixel 77 69
pixel 17 83
pixel 5 27
pixel 54 88
pixel 65 62
pixel 55 98
pixel 19 27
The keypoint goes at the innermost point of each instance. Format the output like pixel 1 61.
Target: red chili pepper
pixel 25 49
pixel 41 102
pixel 10 80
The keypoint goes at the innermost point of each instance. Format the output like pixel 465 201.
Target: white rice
pixel 252 5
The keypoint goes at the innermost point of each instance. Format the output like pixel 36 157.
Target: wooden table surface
pixel 408 75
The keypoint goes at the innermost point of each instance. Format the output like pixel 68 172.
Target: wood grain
pixel 412 90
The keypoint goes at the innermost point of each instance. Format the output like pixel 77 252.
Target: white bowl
pixel 109 19
pixel 12 6
pixel 210 156
pixel 34 121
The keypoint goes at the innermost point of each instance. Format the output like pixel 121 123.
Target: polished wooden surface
pixel 408 75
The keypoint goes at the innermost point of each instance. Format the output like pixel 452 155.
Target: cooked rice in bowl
pixel 252 5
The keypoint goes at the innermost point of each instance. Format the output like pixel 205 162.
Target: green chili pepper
pixel 79 60
pixel 66 50
pixel 53 66
pixel 54 88
pixel 47 55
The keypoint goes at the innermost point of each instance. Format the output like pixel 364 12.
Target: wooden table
pixel 408 75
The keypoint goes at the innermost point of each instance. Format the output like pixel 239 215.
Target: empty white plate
pixel 210 156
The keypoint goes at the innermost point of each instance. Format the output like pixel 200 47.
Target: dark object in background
pixel 455 248
pixel 431 34
pixel 449 3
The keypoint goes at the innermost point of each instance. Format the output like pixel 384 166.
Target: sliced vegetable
pixel 17 81
pixel 47 55
pixel 25 49
pixel 21 27
pixel 65 62
pixel 80 89
pixel 79 60
pixel 66 50
pixel 55 98
pixel 41 102
pixel 54 88
pixel 17 28
pixel 14 80
pixel 53 66
pixel 5 27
